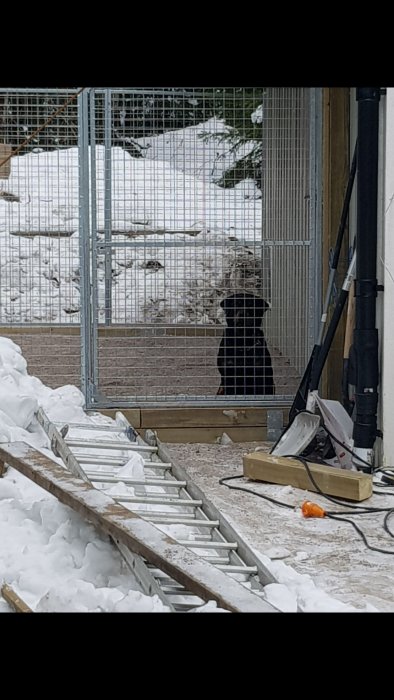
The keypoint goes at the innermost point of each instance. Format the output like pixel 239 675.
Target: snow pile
pixel 203 150
pixel 257 115
pixel 295 590
pixel 49 554
pixel 168 196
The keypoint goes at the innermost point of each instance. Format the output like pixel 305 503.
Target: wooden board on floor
pixel 342 483
pixel 140 536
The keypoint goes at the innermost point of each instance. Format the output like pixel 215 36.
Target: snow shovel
pixel 300 398
pixel 305 424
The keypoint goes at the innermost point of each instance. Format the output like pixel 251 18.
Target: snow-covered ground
pixel 168 196
pixel 51 556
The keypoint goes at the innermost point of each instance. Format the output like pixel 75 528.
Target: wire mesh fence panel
pixel 171 233
pixel 199 214
pixel 39 221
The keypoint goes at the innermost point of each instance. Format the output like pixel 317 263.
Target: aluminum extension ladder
pixel 182 503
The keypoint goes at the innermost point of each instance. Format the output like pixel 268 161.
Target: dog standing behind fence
pixel 244 361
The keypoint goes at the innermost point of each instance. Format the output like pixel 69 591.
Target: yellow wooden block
pixel 342 483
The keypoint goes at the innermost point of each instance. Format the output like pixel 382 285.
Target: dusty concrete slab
pixel 331 553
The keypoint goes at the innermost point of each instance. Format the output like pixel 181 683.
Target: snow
pixel 169 196
pixel 49 554
pixel 257 115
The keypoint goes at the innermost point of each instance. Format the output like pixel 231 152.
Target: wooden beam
pixel 211 435
pixel 261 466
pixel 133 415
pixel 185 331
pixel 335 176
pixel 5 152
pixel 203 417
pixel 201 424
pixel 140 536
pixel 14 600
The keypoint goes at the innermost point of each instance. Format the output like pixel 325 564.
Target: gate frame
pixel 94 399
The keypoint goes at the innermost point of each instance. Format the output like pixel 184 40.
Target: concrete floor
pixel 330 552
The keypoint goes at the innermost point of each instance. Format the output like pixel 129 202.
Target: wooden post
pixel 5 170
pixel 14 600
pixel 335 176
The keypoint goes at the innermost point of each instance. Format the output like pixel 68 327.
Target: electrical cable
pixel 333 515
pixel 359 511
pixel 255 493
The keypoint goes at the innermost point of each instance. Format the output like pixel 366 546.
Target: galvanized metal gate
pixel 189 197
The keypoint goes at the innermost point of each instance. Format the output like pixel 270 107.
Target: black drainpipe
pixel 365 338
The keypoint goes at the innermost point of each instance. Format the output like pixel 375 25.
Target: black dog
pixel 244 360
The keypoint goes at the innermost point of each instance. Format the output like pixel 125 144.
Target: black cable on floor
pixel 334 515
pixel 255 493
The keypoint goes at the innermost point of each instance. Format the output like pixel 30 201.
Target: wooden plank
pixel 133 415
pixel 202 417
pixel 261 466
pixel 45 232
pixel 3 469
pixel 212 434
pixel 125 526
pixel 5 170
pixel 123 331
pixel 14 600
pixel 336 112
pixel 39 330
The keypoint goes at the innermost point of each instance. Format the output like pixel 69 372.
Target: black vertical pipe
pixel 365 338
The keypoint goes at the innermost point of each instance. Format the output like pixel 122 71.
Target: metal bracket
pixel 274 424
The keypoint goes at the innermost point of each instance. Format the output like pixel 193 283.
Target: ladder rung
pixel 194 601
pixel 90 426
pixel 111 445
pixel 158 573
pixel 208 545
pixel 182 521
pixel 168 515
pixel 215 560
pixel 233 569
pixel 159 501
pixel 117 461
pixel 157 465
pixel 177 587
pixel 93 476
pixel 178 607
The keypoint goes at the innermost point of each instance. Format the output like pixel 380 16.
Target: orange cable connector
pixel 312 510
